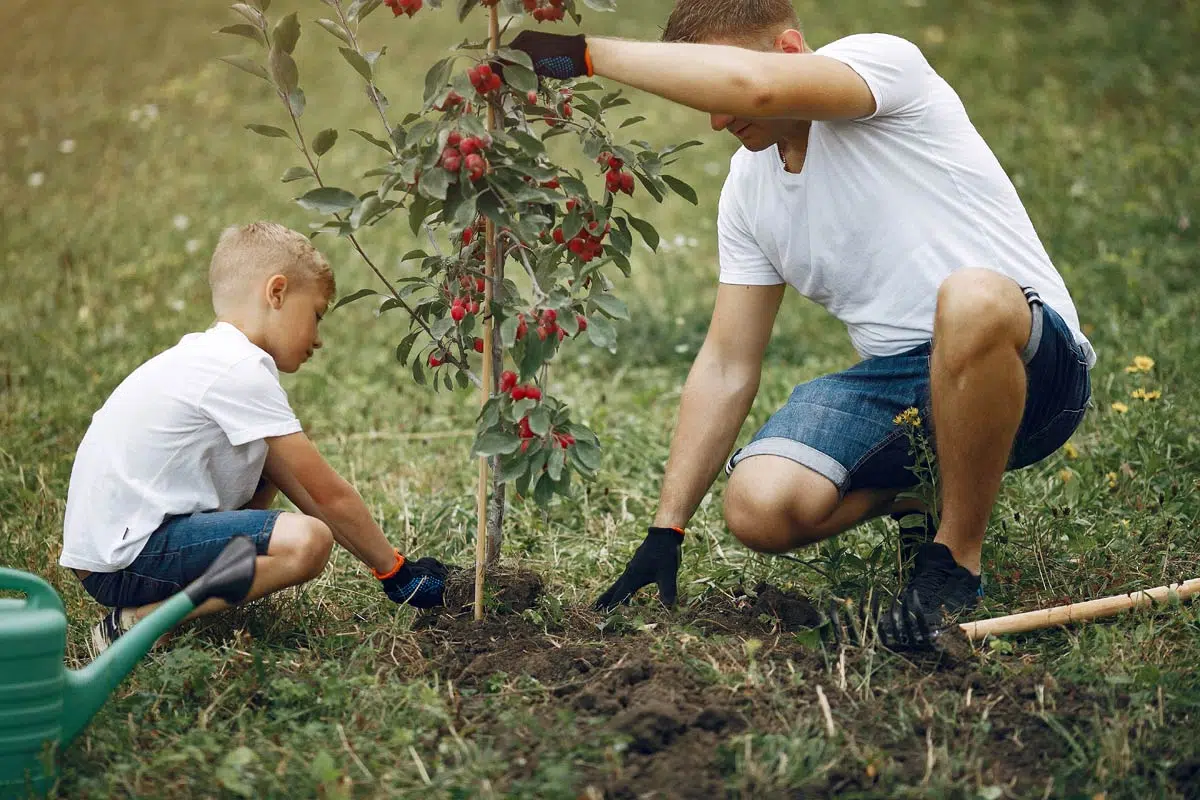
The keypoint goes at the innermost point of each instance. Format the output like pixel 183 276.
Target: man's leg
pixel 773 504
pixel 977 384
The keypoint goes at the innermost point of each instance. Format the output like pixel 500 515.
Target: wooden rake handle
pixel 1078 612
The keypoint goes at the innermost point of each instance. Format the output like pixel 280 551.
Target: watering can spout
pixel 228 578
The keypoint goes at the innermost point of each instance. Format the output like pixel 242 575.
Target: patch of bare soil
pixel 599 686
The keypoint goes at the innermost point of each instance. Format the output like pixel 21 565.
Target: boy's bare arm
pixel 264 496
pixel 303 475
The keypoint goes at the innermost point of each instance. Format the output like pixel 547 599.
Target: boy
pixel 861 183
pixel 191 448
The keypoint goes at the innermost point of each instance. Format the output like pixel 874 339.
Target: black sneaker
pixel 108 630
pixel 939 591
pixel 916 529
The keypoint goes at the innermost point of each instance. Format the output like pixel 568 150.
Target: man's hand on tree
pixel 555 55
pixel 656 561
pixel 420 583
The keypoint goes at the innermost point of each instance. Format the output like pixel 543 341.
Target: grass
pixel 330 691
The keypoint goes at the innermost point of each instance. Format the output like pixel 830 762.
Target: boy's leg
pixel 298 551
pixel 977 382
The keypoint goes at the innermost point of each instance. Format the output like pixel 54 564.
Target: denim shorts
pixel 842 426
pixel 176 554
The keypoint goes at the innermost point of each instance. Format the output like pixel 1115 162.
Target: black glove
pixel 555 55
pixel 656 561
pixel 420 583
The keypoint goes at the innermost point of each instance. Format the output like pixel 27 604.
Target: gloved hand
pixel 555 55
pixel 420 583
pixel 656 561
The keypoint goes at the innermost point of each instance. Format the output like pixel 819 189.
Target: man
pixel 861 183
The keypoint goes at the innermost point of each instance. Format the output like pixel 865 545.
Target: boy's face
pixel 759 133
pixel 295 312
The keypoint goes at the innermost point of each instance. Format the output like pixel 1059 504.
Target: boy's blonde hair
pixel 249 253
pixel 703 21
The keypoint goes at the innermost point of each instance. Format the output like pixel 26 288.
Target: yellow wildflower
pixel 1070 451
pixel 909 416
pixel 1140 364
pixel 1120 408
pixel 1065 475
pixel 1142 394
pixel 1112 480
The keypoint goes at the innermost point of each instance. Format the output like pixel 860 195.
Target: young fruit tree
pixel 521 250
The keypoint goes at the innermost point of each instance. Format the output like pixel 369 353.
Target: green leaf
pixel 530 144
pixel 435 181
pixel 360 9
pixel 600 5
pixel 677 148
pixel 543 493
pixel 648 231
pixel 631 121
pixel 436 78
pixel 252 15
pixel 601 332
pixel 513 466
pixel 380 143
pixel 554 468
pixel 269 131
pixel 296 174
pixel 328 200
pixel 286 33
pixel 539 420
pixel 354 59
pixel 464 8
pixel 247 65
pixel 248 31
pixel 324 141
pixel 494 443
pixel 405 346
pixel 514 56
pixel 350 298
pixel 337 30
pixel 418 371
pixel 611 305
pixel 296 101
pixel 588 454
pixel 283 70
pixel 520 78
pixel 368 208
pixel 682 189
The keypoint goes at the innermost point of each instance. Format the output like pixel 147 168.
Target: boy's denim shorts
pixel 177 553
pixel 842 426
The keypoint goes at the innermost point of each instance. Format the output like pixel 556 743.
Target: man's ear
pixel 277 286
pixel 791 41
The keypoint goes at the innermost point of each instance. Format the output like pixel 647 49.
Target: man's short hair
pixel 248 253
pixel 701 21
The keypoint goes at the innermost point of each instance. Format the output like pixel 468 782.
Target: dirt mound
pixel 507 590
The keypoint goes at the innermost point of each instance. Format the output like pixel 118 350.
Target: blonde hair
pixel 248 253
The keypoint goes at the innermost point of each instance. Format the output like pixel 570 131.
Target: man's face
pixel 758 134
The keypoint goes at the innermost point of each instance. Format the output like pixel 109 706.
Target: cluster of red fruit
pixel 465 152
pixel 508 385
pixel 545 10
pixel 563 106
pixel 399 7
pixel 616 179
pixel 453 100
pixel 484 79
pixel 588 243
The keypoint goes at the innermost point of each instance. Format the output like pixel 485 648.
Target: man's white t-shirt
pixel 183 433
pixel 885 208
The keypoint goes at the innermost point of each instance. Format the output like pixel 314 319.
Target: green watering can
pixel 44 705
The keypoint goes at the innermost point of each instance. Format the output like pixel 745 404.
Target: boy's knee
pixel 769 517
pixel 304 541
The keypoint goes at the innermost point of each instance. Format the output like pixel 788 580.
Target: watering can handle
pixel 38 593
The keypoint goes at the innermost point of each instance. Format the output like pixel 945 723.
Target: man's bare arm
pixel 721 79
pixel 717 397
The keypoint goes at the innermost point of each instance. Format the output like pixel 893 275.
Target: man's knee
pixel 979 307
pixel 773 515
pixel 304 542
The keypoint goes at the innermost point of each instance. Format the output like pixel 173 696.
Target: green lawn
pixel 331 691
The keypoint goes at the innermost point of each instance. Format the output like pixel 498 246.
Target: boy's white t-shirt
pixel 183 433
pixel 885 208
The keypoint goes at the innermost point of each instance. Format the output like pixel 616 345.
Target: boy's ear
pixel 276 289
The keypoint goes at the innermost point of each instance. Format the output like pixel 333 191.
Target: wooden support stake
pixel 485 391
pixel 1078 612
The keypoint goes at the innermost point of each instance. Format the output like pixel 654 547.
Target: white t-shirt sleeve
pixel 249 404
pixel 894 69
pixel 742 260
